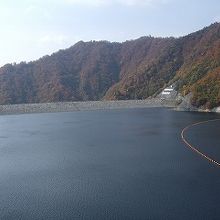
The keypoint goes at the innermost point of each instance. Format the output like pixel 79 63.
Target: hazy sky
pixel 30 29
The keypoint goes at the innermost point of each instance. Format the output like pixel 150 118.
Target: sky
pixel 30 29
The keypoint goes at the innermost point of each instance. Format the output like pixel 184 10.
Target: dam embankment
pixel 84 106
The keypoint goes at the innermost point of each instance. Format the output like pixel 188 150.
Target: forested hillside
pixel 134 69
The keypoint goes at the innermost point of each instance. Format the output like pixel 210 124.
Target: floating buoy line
pixel 193 147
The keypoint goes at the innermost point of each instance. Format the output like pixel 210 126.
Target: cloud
pixel 99 3
pixel 57 40
pixel 53 39
pixel 140 2
pixel 88 2
pixel 36 10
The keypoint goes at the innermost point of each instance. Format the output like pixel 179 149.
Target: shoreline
pixel 84 106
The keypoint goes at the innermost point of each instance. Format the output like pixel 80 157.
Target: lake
pixel 112 164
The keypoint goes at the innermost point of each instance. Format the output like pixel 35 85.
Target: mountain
pixel 134 69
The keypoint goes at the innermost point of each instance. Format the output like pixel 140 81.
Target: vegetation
pixel 134 69
pixel 206 92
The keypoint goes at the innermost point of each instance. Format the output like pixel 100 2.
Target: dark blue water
pixel 119 164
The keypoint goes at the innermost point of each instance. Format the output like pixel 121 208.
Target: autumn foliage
pixel 134 69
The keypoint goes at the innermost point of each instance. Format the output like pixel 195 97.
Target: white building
pixel 168 90
pixel 169 93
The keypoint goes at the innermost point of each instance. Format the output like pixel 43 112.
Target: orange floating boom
pixel 193 147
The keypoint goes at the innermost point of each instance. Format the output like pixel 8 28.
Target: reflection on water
pixel 119 164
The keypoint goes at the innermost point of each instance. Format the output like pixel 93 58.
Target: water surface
pixel 118 164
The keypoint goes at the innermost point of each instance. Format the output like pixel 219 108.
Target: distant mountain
pixel 134 69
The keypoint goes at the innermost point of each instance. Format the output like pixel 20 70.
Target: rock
pixel 186 105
